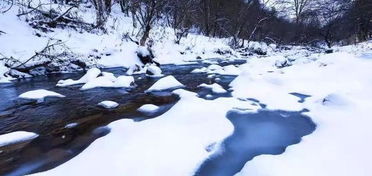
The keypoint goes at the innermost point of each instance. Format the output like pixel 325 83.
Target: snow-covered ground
pixel 340 105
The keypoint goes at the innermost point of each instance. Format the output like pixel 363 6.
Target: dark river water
pixel 57 144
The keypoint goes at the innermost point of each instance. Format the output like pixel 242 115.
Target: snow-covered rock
pixel 91 74
pixel 216 88
pixel 124 81
pixel 168 82
pixel 148 108
pixel 282 62
pixel 109 80
pixel 143 51
pixel 102 81
pixel 153 71
pixel 108 104
pixel 39 94
pixel 145 55
pixel 16 137
pixel 93 80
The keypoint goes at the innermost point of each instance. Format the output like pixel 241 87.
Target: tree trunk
pixel 145 35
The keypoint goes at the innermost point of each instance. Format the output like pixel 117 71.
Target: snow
pixel 39 94
pixel 231 70
pixel 148 108
pixel 102 81
pixel 216 69
pixel 143 51
pixel 16 137
pixel 339 85
pixel 108 104
pixel 89 76
pixel 124 81
pixel 93 80
pixel 200 70
pixel 168 82
pixel 177 140
pixel 339 105
pixel 216 88
pixel 154 71
pixel 71 125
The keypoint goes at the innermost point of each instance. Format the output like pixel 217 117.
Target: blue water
pixel 265 132
pixel 301 96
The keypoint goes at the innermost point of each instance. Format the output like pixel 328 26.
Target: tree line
pixel 305 22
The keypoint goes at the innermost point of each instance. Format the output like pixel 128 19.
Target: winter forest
pixel 185 87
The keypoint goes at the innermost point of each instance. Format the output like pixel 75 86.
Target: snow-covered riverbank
pixel 193 129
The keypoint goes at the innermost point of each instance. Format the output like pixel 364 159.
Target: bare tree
pixel 330 13
pixel 298 7
pixel 146 13
pixel 179 16
pixel 103 9
pixel 362 14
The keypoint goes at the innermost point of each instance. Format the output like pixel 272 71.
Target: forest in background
pixel 300 22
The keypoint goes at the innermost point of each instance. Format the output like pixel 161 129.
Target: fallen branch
pixel 33 9
pixel 45 49
pixel 63 14
pixel 54 18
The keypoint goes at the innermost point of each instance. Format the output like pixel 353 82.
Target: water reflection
pixel 265 132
